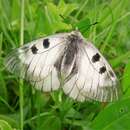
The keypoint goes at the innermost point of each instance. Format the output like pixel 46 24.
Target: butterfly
pixel 67 61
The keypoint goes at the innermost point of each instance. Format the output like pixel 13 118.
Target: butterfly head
pixel 75 36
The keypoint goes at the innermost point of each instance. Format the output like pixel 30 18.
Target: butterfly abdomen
pixel 67 63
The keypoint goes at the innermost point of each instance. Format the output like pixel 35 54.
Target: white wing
pixel 95 79
pixel 43 61
pixel 35 61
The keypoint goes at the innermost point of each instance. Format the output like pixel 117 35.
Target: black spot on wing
pixel 34 49
pixel 46 43
pixel 96 58
pixel 102 70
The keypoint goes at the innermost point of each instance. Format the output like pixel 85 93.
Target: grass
pixel 21 99
pixel 23 22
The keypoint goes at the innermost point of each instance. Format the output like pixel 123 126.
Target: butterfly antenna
pixel 94 23
pixel 62 16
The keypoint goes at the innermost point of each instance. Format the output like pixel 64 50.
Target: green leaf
pixel 10 120
pixel 5 125
pixel 114 117
pixel 117 61
pixel 41 26
pixel 15 10
pixel 83 25
pixel 66 9
pixel 72 113
pixel 126 80
pixel 55 21
pixel 51 123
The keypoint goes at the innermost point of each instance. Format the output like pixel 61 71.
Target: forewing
pixel 95 79
pixel 35 61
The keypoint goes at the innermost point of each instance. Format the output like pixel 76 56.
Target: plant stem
pixel 21 82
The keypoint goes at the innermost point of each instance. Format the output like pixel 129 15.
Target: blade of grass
pixel 21 81
pixel 112 27
pixel 116 62
pixel 82 7
pixel 1 39
pixel 108 27
pixel 5 32
pixel 6 103
pixel 37 116
pixel 95 18
pixel 5 22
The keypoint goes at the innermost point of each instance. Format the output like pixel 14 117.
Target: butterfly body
pixel 85 73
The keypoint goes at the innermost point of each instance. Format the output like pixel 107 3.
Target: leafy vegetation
pixel 105 23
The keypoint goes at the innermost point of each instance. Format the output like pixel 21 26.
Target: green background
pixel 104 22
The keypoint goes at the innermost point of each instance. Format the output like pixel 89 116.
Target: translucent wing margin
pixel 35 62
